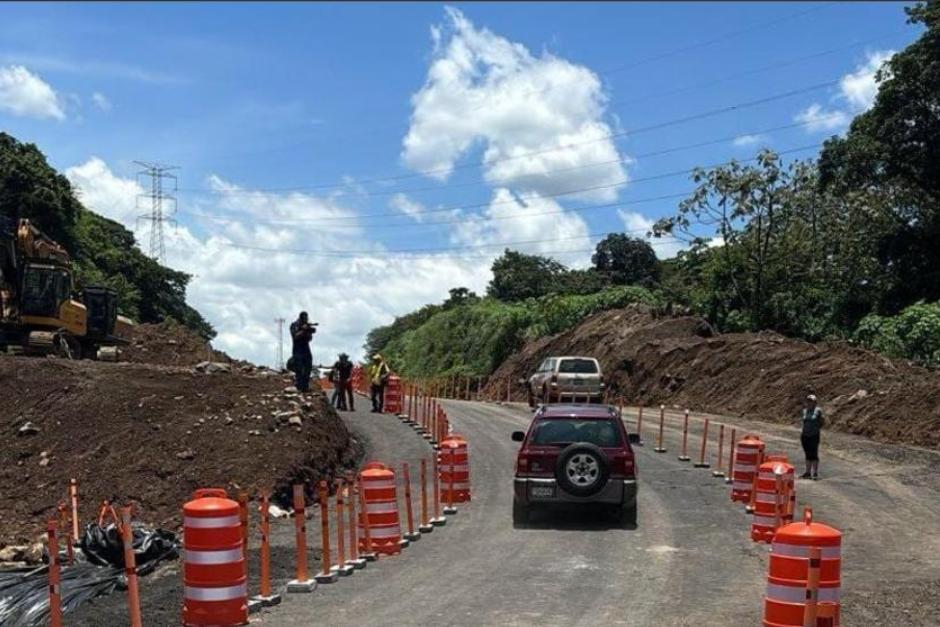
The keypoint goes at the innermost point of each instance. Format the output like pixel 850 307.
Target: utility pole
pixel 162 203
pixel 280 343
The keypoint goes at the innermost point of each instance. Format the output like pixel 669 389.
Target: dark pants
pixel 378 396
pixel 303 366
pixel 339 397
pixel 347 389
pixel 810 447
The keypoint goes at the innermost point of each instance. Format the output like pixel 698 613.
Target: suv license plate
pixel 579 381
pixel 542 491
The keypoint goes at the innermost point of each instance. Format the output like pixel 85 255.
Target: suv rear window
pixel 578 366
pixel 563 431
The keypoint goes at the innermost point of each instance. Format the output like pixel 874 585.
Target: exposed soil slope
pixel 682 361
pixel 169 344
pixel 151 434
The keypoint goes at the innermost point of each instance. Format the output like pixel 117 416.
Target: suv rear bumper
pixel 616 492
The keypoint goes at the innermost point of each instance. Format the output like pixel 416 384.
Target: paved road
pixel 688 562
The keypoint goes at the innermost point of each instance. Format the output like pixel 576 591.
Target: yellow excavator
pixel 41 311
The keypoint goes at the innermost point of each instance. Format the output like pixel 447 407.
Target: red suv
pixel 575 454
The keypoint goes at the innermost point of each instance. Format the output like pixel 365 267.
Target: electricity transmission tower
pixel 162 203
pixel 280 343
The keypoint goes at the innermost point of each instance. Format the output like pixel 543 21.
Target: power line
pixel 347 253
pixel 655 153
pixel 451 209
pixel 718 39
pixel 158 197
pixel 604 137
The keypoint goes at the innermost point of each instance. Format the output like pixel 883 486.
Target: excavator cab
pixel 45 288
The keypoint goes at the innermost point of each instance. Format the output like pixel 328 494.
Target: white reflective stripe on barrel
pixel 797 594
pixel 229 593
pixel 763 497
pixel 744 467
pixel 369 484
pixel 455 468
pixel 794 550
pixel 382 508
pixel 211 523
pixel 764 521
pixel 384 532
pixel 458 485
pixel 741 485
pixel 226 556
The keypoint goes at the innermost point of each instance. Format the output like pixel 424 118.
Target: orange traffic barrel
pixel 747 457
pixel 380 513
pixel 772 499
pixel 789 574
pixel 393 396
pixel 453 465
pixel 215 588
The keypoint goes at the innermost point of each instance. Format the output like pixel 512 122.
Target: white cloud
pixel 538 119
pixel 637 225
pixel 410 208
pixel 23 93
pixel 101 101
pixel 859 88
pixel 538 220
pixel 857 92
pixel 744 141
pixel 815 118
pixel 104 192
pixel 240 290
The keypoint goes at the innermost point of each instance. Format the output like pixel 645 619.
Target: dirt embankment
pixel 169 344
pixel 682 361
pixel 152 434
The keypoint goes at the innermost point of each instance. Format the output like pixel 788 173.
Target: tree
pixel 517 276
pixel 626 260
pixel 105 253
pixel 894 148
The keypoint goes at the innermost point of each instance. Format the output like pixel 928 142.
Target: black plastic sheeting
pixel 98 570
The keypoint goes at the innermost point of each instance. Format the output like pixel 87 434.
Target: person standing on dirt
pixel 338 399
pixel 301 332
pixel 342 379
pixel 378 372
pixel 809 437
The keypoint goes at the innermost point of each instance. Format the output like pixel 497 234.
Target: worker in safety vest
pixel 378 372
pixel 810 435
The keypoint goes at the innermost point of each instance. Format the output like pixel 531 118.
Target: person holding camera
pixel 301 332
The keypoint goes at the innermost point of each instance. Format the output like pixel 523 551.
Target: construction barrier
pixel 772 500
pixel 718 472
pixel 55 577
pixel 393 395
pixel 130 568
pixel 379 517
pixel 454 466
pixel 747 457
pixel 215 590
pixel 684 455
pixel 804 576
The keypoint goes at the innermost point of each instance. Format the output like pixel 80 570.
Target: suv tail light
pixel 522 463
pixel 624 464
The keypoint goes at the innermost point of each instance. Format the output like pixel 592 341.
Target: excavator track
pixel 56 343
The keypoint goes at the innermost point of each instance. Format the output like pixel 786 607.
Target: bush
pixel 912 334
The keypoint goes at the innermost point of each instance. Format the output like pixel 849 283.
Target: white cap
pixel 811 397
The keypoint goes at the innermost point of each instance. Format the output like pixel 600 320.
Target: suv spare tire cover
pixel 582 469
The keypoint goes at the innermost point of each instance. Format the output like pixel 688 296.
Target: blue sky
pixel 281 117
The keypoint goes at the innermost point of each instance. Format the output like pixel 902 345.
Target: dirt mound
pixel 169 344
pixel 151 434
pixel 682 361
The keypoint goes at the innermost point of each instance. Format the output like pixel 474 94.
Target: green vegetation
pixel 473 336
pixel 845 247
pixel 103 250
